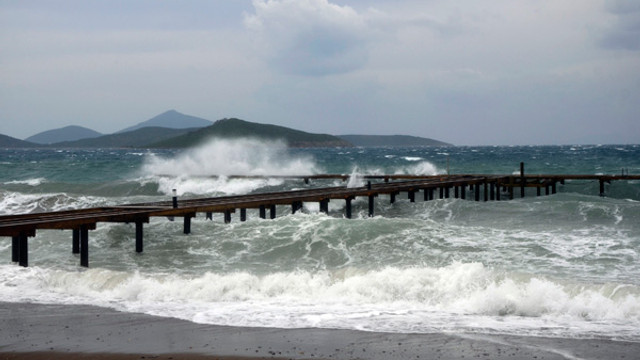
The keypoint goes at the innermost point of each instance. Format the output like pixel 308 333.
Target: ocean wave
pixel 457 297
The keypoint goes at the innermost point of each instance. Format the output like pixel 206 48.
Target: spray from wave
pixel 205 169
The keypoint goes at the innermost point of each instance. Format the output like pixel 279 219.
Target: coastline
pixel 37 331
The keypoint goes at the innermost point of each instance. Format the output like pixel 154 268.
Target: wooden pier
pixel 474 187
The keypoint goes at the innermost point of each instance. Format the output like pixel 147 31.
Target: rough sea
pixel 565 265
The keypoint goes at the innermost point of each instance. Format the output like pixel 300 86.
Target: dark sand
pixel 31 331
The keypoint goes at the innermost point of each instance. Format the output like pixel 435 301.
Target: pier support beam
pixel 412 196
pixel 273 211
pixel 23 246
pixel 463 191
pixel 492 191
pixel 476 189
pixel 209 215
pixel 84 246
pixel 187 223
pixel 371 204
pixel 139 233
pixel 446 192
pixel 324 206
pixel 227 216
pixel 263 212
pixel 553 187
pixel 601 187
pixel 348 208
pixel 75 241
pixel 441 193
pixel 15 249
pixel 243 214
pixel 393 198
pixel 295 206
pixel 456 192
pixel 523 180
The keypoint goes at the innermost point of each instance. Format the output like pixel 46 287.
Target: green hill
pixel 10 142
pixel 139 138
pixel 236 128
pixel 391 140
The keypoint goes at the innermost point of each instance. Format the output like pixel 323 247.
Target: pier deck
pixel 21 227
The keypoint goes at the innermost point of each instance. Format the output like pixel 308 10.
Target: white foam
pixel 458 297
pixel 30 182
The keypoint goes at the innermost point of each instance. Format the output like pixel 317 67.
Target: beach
pixel 35 331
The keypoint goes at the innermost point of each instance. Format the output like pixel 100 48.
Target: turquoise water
pixel 565 265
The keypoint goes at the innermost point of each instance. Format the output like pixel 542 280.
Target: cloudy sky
pixel 463 71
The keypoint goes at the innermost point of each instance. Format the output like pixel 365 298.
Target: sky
pixel 467 72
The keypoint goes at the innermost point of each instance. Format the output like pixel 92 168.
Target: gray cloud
pixel 624 34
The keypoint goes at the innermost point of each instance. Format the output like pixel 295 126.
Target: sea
pixel 565 265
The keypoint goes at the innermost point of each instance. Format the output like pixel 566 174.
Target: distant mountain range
pixel 173 120
pixel 172 129
pixel 69 133
pixel 391 140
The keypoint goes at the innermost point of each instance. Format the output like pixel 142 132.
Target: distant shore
pixel 33 331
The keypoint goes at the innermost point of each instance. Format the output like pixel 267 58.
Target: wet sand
pixel 32 331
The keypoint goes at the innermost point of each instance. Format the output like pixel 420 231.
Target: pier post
pixel 523 181
pixel 227 216
pixel 175 198
pixel 15 249
pixel 476 188
pixel 263 212
pixel 553 187
pixel 393 197
pixel 601 187
pixel 463 191
pixel 139 233
pixel 324 206
pixel 348 207
pixel 492 191
pixel 23 252
pixel 538 190
pixel 511 185
pixel 187 224
pixel 457 191
pixel 295 206
pixel 446 192
pixel 84 246
pixel 371 202
pixel 209 215
pixel 75 241
pixel 498 191
pixel 412 196
pixel 272 211
pixel 243 214
pixel 486 191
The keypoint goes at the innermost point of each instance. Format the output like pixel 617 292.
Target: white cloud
pixel 310 37
pixel 624 32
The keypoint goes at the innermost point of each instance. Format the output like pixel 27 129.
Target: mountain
pixel 172 120
pixel 69 133
pixel 391 140
pixel 236 128
pixel 139 138
pixel 9 142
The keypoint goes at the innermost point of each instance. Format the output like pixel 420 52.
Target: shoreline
pixel 39 331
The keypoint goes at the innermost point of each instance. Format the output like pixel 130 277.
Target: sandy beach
pixel 33 331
